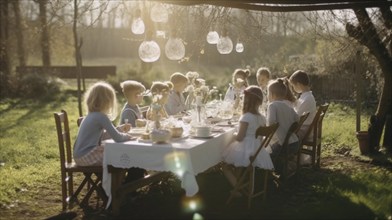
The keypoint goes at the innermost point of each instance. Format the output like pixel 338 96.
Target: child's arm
pixel 241 131
pixel 112 131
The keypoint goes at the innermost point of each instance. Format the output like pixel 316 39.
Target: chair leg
pixel 251 186
pixel 239 185
pixel 64 196
pixel 319 155
pixel 93 185
pixel 266 174
pixel 314 155
pixel 69 180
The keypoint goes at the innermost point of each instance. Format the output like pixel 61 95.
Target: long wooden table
pixel 185 157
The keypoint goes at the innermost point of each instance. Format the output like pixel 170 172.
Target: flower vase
pixel 156 116
pixel 200 110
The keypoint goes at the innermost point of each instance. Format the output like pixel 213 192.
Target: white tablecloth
pixel 185 157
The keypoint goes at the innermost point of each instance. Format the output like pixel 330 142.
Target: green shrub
pixel 34 85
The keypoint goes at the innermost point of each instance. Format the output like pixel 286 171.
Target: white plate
pixel 171 140
pixel 226 124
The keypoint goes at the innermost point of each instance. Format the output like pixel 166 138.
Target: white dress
pixel 238 153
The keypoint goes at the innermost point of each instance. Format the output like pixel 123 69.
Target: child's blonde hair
pixel 277 88
pixel 253 98
pixel 245 73
pixel 159 87
pixel 131 86
pixel 263 71
pixel 101 97
pixel 177 77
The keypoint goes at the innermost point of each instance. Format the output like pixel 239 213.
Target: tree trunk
pixel 45 43
pixel 78 56
pixel 19 33
pixel 366 34
pixel 4 58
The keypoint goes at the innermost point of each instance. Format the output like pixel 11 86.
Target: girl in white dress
pixel 245 143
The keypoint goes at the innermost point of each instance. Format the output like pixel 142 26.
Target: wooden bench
pixel 70 72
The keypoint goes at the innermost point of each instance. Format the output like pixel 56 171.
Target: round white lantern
pixel 224 45
pixel 138 26
pixel 149 51
pixel 175 49
pixel 212 37
pixel 239 47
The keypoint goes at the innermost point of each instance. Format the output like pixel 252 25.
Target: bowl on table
pixel 140 123
pixel 160 136
pixel 176 131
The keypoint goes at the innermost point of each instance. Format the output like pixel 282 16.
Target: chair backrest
pixel 64 138
pixel 313 127
pixel 79 121
pixel 323 111
pixel 267 132
pixel 301 120
pixel 292 129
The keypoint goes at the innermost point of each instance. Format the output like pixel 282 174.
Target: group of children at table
pixel 272 101
pixel 271 97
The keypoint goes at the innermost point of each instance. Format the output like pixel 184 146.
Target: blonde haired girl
pixel 101 103
pixel 280 112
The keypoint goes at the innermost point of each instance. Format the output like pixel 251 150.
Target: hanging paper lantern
pixel 239 47
pixel 159 13
pixel 212 37
pixel 138 26
pixel 225 45
pixel 149 51
pixel 175 49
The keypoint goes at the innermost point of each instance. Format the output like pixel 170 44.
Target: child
pixel 176 100
pixel 133 92
pixel 279 112
pixel 263 76
pixel 245 144
pixel 306 102
pixel 160 92
pixel 101 103
pixel 238 84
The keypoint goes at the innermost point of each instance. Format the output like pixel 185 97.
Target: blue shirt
pixel 91 130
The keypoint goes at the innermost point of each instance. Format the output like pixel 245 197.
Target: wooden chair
pixel 301 120
pixel 69 168
pixel 245 183
pixel 284 157
pixel 312 145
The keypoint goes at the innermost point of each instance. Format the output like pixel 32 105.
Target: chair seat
pixel 73 167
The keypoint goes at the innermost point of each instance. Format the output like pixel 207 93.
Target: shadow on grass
pixel 35 107
pixel 309 195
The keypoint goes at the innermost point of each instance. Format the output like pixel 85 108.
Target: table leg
pixel 117 178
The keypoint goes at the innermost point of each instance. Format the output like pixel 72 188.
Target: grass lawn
pixel 347 186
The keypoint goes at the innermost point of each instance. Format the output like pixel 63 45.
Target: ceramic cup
pixel 203 131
